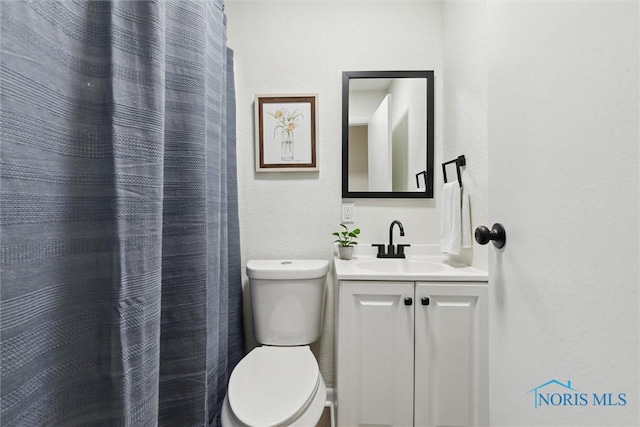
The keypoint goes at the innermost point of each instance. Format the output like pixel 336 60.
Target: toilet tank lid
pixel 288 269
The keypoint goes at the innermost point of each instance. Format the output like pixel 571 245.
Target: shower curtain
pixel 120 253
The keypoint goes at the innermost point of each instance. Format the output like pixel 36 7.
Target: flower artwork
pixel 286 133
pixel 287 123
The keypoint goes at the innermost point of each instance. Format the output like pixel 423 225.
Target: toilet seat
pixel 272 386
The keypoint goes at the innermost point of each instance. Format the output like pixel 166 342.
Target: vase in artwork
pixel 286 138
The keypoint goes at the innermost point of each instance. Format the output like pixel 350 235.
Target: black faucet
pixel 391 249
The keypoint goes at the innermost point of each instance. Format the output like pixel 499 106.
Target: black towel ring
pixel 460 161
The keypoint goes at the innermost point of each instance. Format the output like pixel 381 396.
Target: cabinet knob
pixel 408 301
pixel 425 301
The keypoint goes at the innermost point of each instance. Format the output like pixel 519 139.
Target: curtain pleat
pixel 235 337
pixel 120 254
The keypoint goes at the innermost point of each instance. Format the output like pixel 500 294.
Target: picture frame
pixel 286 133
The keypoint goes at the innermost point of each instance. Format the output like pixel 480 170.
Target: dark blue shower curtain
pixel 120 253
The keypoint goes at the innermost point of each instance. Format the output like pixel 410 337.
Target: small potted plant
pixel 346 239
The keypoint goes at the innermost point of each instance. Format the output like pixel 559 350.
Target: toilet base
pixel 308 418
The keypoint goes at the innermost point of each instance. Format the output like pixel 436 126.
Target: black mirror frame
pixel 428 193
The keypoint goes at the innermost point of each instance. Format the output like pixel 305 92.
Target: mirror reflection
pixel 387 134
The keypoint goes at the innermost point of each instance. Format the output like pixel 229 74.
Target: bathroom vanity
pixel 411 342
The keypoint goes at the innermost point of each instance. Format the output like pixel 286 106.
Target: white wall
pixel 379 140
pixel 564 130
pixel 303 47
pixel 409 109
pixel 465 108
pixel 363 103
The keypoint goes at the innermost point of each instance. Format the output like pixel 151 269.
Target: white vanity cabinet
pixel 375 354
pixel 412 353
pixel 451 355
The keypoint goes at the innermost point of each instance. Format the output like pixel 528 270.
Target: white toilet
pixel 279 383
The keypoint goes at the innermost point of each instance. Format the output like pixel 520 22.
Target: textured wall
pixel 465 107
pixel 303 47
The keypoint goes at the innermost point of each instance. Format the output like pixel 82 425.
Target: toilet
pixel 279 383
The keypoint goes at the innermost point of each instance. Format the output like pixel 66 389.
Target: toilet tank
pixel 287 299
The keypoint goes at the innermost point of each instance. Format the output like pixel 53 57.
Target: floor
pixel 325 419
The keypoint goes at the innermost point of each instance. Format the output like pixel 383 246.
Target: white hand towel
pixel 450 221
pixel 466 220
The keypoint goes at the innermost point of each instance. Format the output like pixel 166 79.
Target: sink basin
pixel 400 266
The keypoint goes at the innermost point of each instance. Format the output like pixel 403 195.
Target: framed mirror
pixel 387 134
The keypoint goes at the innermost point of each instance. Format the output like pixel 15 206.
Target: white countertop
pixel 425 264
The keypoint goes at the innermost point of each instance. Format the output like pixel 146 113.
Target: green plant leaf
pixel 346 237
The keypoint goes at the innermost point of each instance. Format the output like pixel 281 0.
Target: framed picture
pixel 286 133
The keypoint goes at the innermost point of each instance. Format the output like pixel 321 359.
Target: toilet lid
pixel 271 386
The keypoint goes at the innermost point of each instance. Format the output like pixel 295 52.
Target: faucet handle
pixel 380 248
pixel 401 249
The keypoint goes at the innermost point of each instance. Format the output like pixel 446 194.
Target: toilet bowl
pixel 279 383
pixel 275 386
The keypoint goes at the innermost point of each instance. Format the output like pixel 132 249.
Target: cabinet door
pixel 451 359
pixel 375 354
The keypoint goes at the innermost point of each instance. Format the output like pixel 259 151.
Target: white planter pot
pixel 346 252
